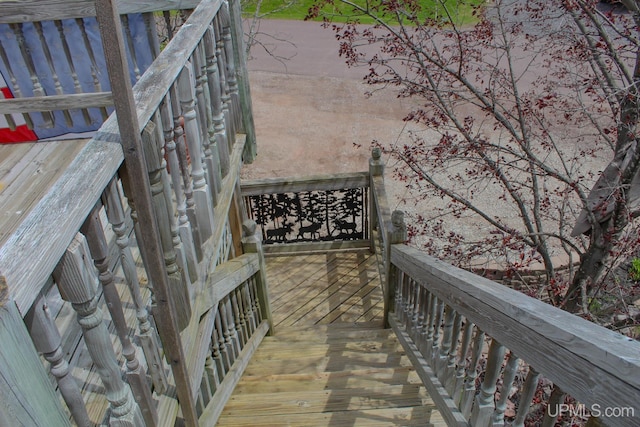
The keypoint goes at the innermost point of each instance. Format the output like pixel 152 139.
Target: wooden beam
pixel 56 102
pixel 339 181
pixel 308 247
pixel 46 10
pixel 226 277
pixel 129 127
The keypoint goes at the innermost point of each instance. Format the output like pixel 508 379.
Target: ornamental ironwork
pixel 311 216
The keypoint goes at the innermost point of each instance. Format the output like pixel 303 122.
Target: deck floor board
pixel 330 363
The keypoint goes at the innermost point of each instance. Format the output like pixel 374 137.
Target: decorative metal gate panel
pixel 311 216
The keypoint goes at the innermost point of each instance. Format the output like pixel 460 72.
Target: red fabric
pixel 22 132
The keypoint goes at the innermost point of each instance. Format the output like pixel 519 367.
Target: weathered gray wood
pixel 244 90
pixel 226 278
pixel 201 191
pixel 469 387
pixel 215 97
pixel 147 333
pixel 397 233
pixel 552 413
pixel 42 10
pixel 17 93
pixel 66 204
pixel 97 86
pixel 445 405
pixel 455 389
pixel 308 247
pixel 252 243
pixel 47 340
pixel 341 181
pixel 510 371
pixel 528 392
pixel 213 410
pixel 561 346
pixel 484 402
pixel 129 130
pixel 178 286
pixel 184 226
pixel 136 376
pixel 28 398
pixel 74 278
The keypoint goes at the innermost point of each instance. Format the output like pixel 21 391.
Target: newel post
pixel 397 233
pixel 376 168
pixel 252 243
pixel 28 397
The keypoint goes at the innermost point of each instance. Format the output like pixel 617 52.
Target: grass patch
pixel 297 10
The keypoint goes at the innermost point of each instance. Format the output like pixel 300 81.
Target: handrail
pixel 444 315
pixel 188 96
pixel 40 10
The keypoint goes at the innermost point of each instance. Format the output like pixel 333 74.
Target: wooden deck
pixel 330 362
pixel 27 171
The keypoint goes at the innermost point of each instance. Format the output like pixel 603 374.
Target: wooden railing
pixel 476 343
pixel 75 280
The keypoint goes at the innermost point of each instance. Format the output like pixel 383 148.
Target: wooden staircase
pixel 339 374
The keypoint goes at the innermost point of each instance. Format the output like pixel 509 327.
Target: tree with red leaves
pixel 525 127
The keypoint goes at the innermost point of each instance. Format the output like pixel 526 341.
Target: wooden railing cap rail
pixel 593 364
pixel 338 181
pixel 45 10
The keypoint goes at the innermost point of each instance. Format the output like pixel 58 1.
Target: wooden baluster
pixel 152 33
pixel 397 234
pixel 15 88
pixel 437 323
pixel 455 390
pixel 484 403
pixel 46 338
pixel 203 109
pixel 130 46
pixel 428 341
pixel 240 321
pixel 233 326
pixel 54 75
pixel 77 87
pixel 222 344
pixel 201 193
pixel 211 372
pixel 248 312
pixel 227 329
pixel 256 299
pixel 401 302
pixel 181 257
pixel 94 65
pixel 217 355
pixel 185 172
pixel 217 115
pixel 178 288
pixel 252 243
pixel 510 371
pixel 450 369
pixel 147 333
pixel 447 343
pixel 419 328
pixel 126 187
pixel 469 389
pixel 184 226
pixel 38 90
pixel 11 123
pixel 553 407
pixel 224 84
pixel 236 116
pixel 99 249
pixel 416 292
pixel 526 397
pixel 28 396
pixel 77 286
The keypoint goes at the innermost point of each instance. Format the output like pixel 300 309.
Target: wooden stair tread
pixel 330 375
pixel 423 416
